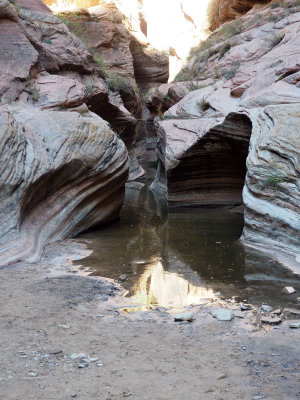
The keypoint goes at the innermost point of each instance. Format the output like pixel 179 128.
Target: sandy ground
pixel 49 312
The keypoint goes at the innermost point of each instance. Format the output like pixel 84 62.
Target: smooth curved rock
pixel 61 173
pixel 63 170
pixel 272 191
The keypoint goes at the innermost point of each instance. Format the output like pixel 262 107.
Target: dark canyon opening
pixel 212 172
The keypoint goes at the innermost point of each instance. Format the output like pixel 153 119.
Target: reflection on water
pixel 180 258
pixel 159 287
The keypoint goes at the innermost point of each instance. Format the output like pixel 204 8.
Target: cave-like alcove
pixel 212 172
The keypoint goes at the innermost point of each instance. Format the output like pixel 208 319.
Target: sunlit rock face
pixel 62 169
pixel 170 26
pixel 61 5
pixel 221 11
pixel 248 68
pixel 109 37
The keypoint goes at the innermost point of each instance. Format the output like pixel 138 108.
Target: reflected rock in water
pixel 163 288
pixel 132 193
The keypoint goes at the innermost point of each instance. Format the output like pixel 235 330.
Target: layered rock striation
pixel 235 135
pixel 125 62
pixel 62 168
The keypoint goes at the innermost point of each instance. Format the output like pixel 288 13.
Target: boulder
pixel 61 173
pixel 63 169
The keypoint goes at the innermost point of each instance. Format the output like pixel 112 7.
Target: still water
pixel 179 258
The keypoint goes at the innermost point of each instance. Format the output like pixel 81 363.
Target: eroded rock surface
pixel 109 36
pixel 61 173
pixel 243 100
pixel 63 169
pixel 221 11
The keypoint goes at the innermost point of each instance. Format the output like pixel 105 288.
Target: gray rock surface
pixel 187 316
pixel 236 139
pixel 222 315
pixel 61 173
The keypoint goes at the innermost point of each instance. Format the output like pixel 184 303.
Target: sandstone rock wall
pixel 62 169
pixel 244 84
pixel 221 11
pixel 125 62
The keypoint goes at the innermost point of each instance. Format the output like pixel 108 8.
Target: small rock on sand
pixel 288 290
pixel 266 308
pixel 294 325
pixel 271 321
pixel 244 307
pixel 75 356
pixel 222 315
pixel 184 317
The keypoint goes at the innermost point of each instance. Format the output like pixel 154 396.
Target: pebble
pixel 288 290
pixel 257 397
pixel 83 365
pixel 123 278
pixel 266 308
pixel 93 359
pixel 278 311
pixel 294 325
pixel 75 356
pixel 33 374
pixel 100 316
pixel 55 351
pixel 184 317
pixel 99 364
pixel 271 321
pixel 244 307
pixel 222 376
pixel 222 315
pixel 62 326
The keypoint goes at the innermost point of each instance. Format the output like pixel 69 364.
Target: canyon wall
pixel 63 169
pixel 234 117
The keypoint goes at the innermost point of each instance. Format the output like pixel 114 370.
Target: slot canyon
pixel 149 199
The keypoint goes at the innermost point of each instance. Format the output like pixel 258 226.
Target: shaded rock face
pixel 212 171
pixel 62 169
pixel 240 117
pixel 272 190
